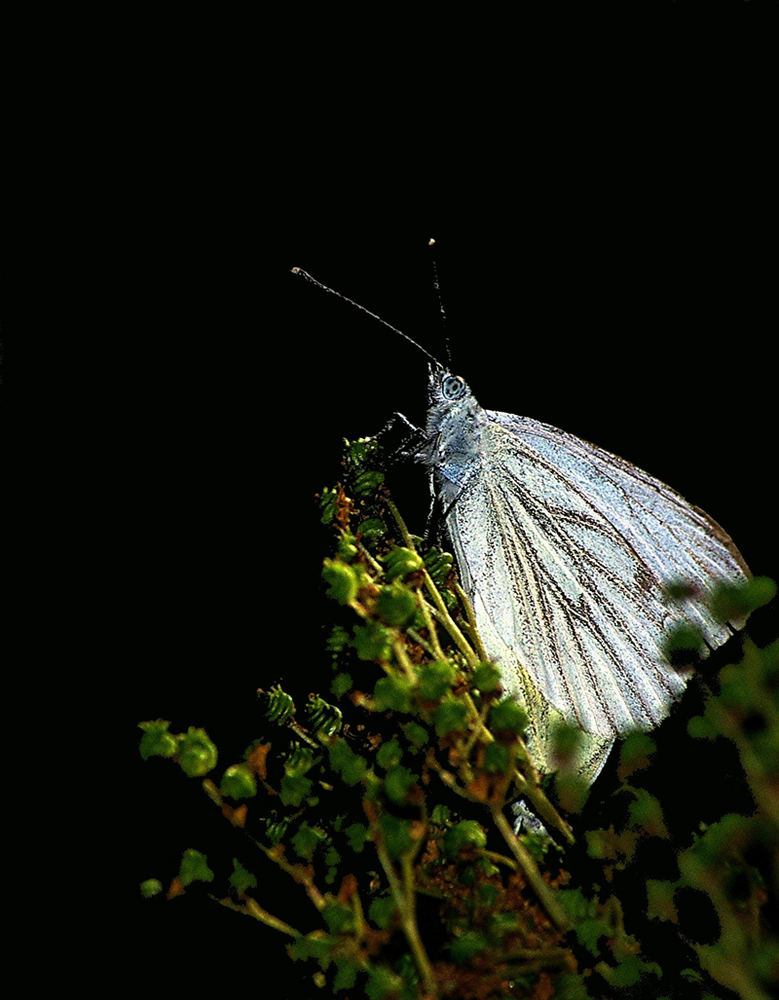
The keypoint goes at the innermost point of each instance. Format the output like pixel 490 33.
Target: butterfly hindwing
pixel 566 552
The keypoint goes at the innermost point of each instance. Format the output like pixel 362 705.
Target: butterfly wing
pixel 566 552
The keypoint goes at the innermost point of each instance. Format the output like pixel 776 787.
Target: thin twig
pixel 252 908
pixel 404 900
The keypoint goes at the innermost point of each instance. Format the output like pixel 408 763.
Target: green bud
pixel 238 782
pixel 156 740
pixel 280 706
pixel 372 530
pixel 197 755
pixel 343 582
pixel 439 565
pixel 367 481
pixel 347 550
pixel 400 562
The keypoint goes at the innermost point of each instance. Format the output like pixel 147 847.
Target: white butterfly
pixel 566 553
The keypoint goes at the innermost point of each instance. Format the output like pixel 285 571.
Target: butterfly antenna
pixel 308 277
pixel 441 310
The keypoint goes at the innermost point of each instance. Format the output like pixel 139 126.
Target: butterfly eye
pixel 453 387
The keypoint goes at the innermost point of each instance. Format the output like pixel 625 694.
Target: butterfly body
pixel 567 553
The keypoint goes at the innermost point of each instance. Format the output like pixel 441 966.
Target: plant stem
pixel 403 894
pixel 253 909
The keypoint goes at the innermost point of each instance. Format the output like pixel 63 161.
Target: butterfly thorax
pixel 454 430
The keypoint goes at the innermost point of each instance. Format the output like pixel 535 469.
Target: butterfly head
pixel 449 400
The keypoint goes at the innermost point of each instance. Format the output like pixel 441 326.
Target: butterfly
pixel 567 554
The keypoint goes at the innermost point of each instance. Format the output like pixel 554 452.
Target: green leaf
pixel 356 835
pixel 339 918
pixel 382 911
pixel 294 788
pixel 396 834
pixel 589 932
pixel 346 975
pixel 194 868
pixel 372 642
pixel 389 754
pixel 382 982
pixel 508 716
pixel 314 945
pixel 241 879
pixel 486 678
pixel 464 948
pixel 645 811
pixel 450 717
pixel 436 680
pixel 634 754
pixel 466 833
pixel 496 758
pixel 732 602
pixel 341 684
pixel 416 735
pixel 150 887
pixel 307 839
pixel 393 693
pixel 397 784
pixel 346 762
pixel 396 605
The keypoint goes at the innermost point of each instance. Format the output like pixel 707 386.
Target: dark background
pixel 610 275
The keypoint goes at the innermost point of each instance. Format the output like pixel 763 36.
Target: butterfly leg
pixel 400 440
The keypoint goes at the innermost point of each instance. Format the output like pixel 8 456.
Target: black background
pixel 610 274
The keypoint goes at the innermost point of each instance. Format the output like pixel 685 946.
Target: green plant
pixel 387 801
